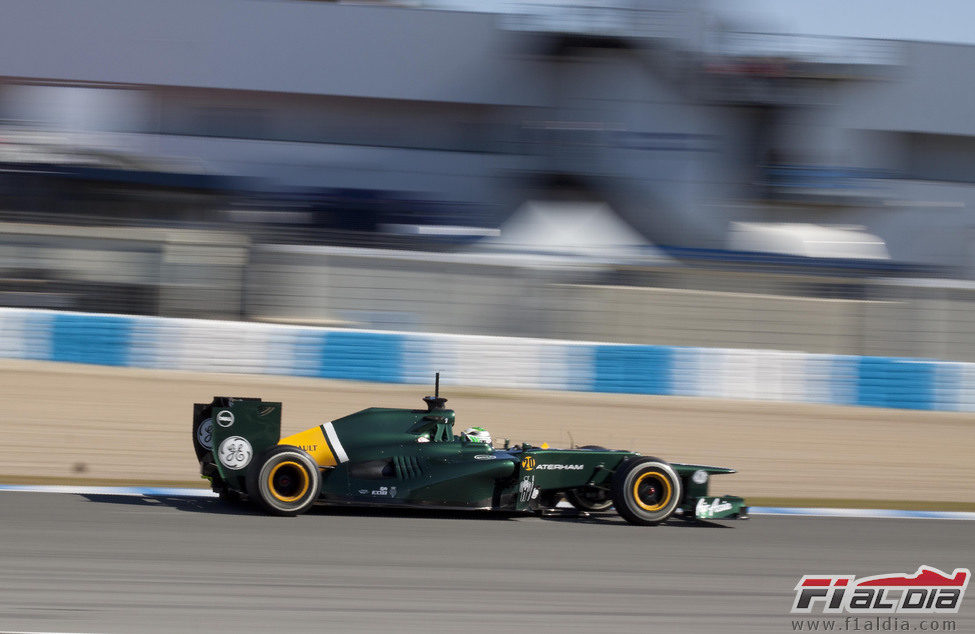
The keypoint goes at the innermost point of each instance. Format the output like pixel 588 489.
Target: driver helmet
pixel 477 434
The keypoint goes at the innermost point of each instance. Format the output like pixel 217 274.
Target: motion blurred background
pixel 668 172
pixel 727 232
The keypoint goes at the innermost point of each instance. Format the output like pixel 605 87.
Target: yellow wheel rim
pixel 303 487
pixel 663 480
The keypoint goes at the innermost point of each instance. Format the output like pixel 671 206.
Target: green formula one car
pixel 412 458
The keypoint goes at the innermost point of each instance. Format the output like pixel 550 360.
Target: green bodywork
pixel 405 457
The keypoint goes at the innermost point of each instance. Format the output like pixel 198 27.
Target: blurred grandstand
pixel 257 160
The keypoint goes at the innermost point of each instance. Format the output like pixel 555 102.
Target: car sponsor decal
pixel 485 456
pixel 333 442
pixel 560 467
pixel 225 418
pixel 525 488
pixel 383 492
pixel 204 434
pixel 313 441
pixel 927 591
pixel 699 477
pixel 235 452
pixel 707 510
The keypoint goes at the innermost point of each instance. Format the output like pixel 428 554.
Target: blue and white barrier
pixel 508 362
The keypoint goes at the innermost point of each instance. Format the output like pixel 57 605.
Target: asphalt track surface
pixel 106 563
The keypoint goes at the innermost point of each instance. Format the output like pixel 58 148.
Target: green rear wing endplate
pixel 243 428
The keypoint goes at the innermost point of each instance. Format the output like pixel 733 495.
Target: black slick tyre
pixel 645 491
pixel 589 499
pixel 284 481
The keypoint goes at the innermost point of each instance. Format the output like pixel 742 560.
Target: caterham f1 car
pixel 412 458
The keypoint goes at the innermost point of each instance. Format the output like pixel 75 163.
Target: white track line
pixel 755 510
pixel 93 490
pixel 876 513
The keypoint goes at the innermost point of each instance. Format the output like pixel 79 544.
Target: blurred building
pixel 652 106
pixel 725 188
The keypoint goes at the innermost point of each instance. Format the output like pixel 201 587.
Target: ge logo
pixel 204 434
pixel 528 463
pixel 235 452
pixel 225 418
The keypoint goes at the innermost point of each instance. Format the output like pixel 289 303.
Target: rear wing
pixel 229 432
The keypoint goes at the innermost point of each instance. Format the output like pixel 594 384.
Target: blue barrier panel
pixel 891 382
pixel 840 377
pixel 632 369
pixel 362 356
pixel 579 373
pixel 302 355
pixel 96 339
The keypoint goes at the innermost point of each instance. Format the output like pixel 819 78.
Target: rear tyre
pixel 284 481
pixel 589 499
pixel 645 491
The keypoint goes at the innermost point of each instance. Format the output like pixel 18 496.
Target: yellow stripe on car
pixel 662 479
pixel 313 441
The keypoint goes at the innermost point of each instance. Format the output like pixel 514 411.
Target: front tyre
pixel 284 481
pixel 645 491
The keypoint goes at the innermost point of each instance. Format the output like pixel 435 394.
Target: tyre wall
pixel 499 362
